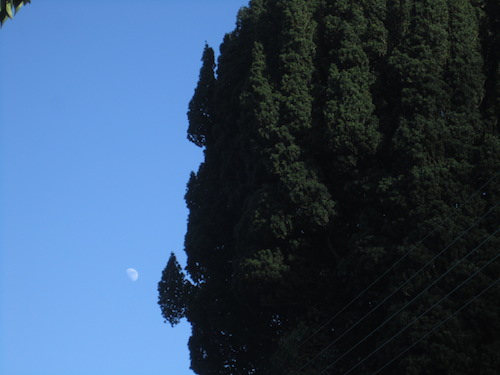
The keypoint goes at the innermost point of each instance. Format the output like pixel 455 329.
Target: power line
pixel 411 323
pixel 396 263
pixel 403 284
pixel 437 326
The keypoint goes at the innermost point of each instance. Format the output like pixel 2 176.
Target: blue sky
pixel 93 169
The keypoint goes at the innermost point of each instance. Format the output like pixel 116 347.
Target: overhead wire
pixel 402 285
pixel 438 325
pixel 408 325
pixel 398 261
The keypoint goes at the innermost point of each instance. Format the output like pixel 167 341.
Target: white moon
pixel 132 274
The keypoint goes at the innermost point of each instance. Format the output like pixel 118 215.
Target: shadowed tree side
pixel 201 105
pixel 174 292
pixel 338 135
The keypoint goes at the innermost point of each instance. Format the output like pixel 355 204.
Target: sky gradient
pixel 94 163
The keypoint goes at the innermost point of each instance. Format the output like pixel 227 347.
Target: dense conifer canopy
pixel 344 220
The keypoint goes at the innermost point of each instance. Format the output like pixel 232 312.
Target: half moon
pixel 132 274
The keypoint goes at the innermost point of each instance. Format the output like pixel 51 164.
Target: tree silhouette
pixel 345 140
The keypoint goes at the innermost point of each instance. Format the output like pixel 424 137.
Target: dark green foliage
pixel 340 135
pixel 201 106
pixel 174 292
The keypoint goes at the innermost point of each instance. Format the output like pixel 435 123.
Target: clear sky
pixel 94 163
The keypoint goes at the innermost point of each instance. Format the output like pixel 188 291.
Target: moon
pixel 132 274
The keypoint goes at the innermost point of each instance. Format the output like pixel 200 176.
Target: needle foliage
pixel 341 137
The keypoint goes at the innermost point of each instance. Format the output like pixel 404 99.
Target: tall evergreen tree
pixel 341 137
